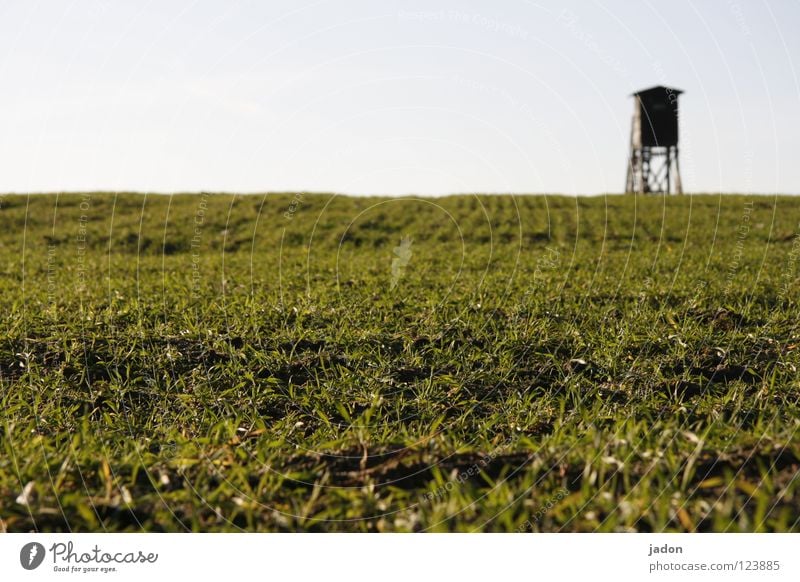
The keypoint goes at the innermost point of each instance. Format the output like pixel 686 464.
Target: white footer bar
pixel 356 557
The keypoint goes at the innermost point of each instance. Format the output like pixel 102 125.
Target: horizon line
pixel 382 195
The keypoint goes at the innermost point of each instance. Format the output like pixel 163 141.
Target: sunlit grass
pixel 216 363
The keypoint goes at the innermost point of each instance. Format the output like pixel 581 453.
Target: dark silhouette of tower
pixel 653 161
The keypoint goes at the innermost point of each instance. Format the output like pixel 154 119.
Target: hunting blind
pixel 653 160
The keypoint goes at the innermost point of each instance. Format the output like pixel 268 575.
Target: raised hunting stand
pixel 653 161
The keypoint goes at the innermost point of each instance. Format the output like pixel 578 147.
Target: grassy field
pixel 298 362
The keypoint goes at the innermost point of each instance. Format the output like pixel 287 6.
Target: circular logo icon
pixel 31 555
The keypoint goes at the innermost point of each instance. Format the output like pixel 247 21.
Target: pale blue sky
pixel 390 97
